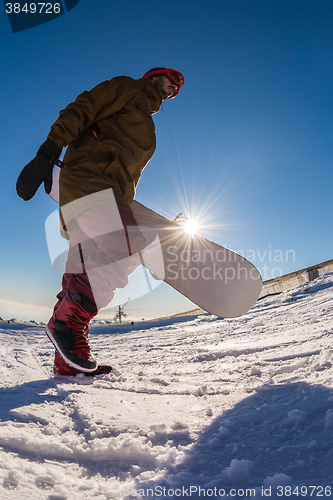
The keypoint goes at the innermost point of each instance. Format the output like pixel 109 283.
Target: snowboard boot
pixel 61 368
pixel 67 330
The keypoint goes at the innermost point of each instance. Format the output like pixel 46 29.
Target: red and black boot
pixel 67 330
pixel 62 369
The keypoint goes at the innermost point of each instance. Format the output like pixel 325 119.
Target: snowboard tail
pixel 215 278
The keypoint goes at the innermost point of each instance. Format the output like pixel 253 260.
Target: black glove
pixel 38 170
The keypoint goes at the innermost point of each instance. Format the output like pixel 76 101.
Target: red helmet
pixel 175 77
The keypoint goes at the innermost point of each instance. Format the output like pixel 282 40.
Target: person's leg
pixel 96 266
pixel 114 257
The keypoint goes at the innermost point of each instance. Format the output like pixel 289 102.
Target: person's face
pixel 164 86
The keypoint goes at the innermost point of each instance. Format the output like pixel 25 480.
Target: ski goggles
pixel 175 77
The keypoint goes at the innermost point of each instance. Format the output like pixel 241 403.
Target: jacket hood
pixel 154 98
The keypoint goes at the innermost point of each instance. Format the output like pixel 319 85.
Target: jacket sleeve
pixel 102 101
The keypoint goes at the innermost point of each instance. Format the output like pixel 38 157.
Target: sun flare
pixel 191 226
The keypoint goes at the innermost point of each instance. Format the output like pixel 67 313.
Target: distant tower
pixel 120 314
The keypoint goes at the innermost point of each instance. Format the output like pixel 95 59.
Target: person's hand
pixel 38 170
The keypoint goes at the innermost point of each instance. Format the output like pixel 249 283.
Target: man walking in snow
pixel 110 136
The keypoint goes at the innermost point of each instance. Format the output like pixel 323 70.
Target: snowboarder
pixel 110 136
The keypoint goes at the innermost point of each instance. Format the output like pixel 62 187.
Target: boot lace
pixel 78 323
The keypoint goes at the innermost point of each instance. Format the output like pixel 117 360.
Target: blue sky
pixel 247 143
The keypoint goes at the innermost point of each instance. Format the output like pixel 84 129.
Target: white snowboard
pixel 217 279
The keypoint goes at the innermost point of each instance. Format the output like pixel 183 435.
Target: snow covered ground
pixel 197 407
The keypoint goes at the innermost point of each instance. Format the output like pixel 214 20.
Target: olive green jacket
pixel 110 135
